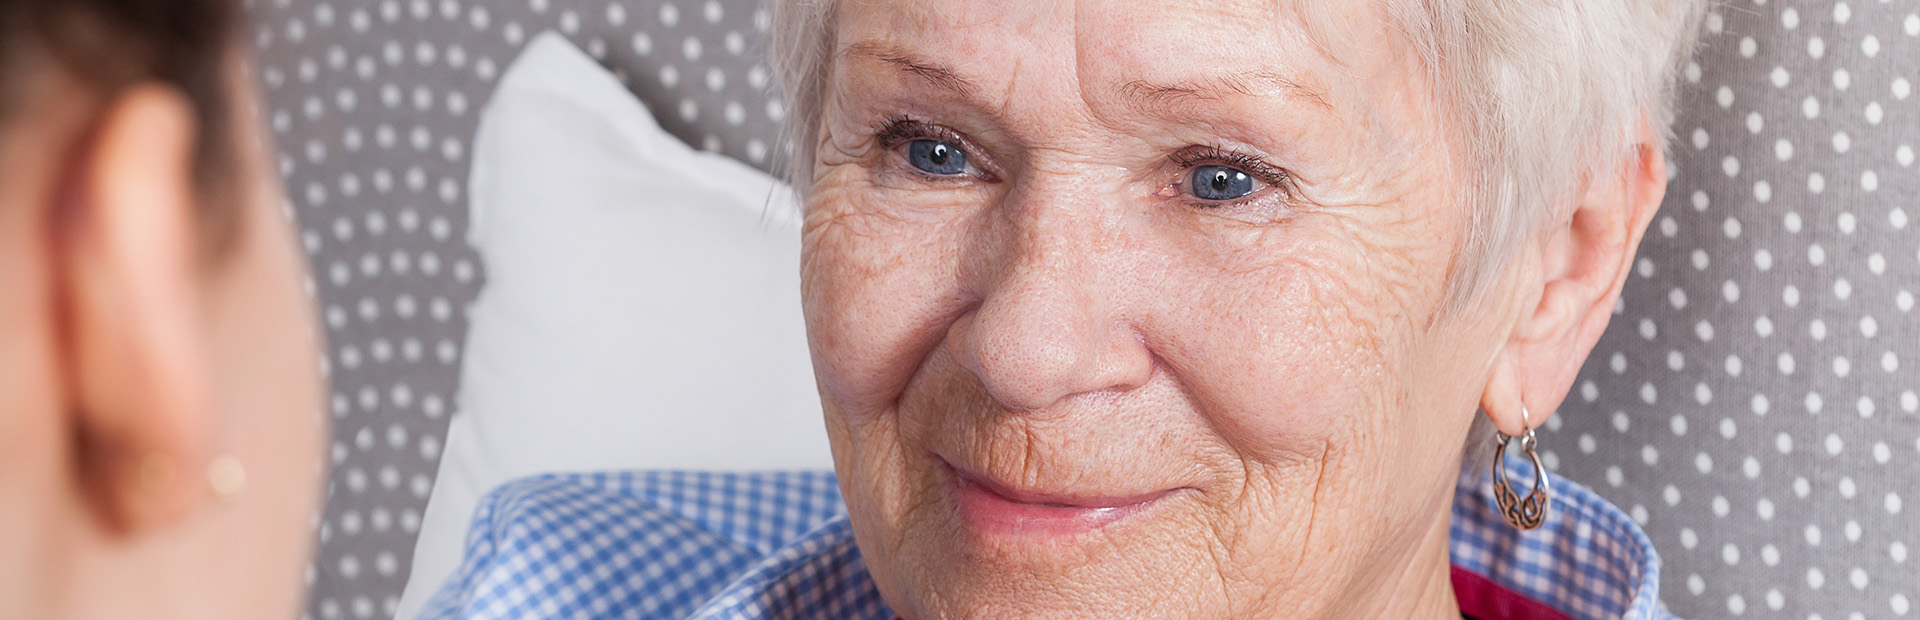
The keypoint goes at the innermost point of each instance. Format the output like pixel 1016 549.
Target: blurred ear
pixel 136 368
pixel 1577 277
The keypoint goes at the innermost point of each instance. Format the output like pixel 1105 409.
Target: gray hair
pixel 1541 95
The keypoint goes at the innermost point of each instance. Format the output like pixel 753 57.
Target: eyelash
pixel 896 130
pixel 1195 156
pixel 900 129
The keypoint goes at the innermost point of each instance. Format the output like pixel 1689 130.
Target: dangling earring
pixel 1530 512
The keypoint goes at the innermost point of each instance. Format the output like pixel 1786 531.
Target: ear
pixel 136 371
pixel 1583 263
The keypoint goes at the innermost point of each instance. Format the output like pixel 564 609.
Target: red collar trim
pixel 1482 599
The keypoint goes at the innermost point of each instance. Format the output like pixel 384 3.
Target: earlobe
pixel 135 366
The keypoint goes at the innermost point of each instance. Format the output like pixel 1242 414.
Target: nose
pixel 1050 324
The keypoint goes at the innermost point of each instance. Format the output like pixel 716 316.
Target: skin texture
pixel 132 357
pixel 1068 319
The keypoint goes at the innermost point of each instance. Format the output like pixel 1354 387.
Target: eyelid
pixel 1196 156
pixel 900 129
pixel 1282 200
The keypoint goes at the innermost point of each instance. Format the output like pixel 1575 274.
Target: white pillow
pixel 641 310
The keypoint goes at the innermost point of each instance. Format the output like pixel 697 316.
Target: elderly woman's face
pixel 1130 309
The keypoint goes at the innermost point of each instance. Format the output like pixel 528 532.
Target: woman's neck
pixel 1412 581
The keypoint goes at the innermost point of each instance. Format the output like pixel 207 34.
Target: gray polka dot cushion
pixel 1756 403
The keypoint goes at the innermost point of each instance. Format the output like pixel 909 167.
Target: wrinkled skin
pixel 1070 319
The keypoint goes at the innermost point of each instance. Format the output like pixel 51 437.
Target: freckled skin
pixel 1068 327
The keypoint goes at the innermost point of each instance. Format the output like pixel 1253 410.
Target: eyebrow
pixel 939 76
pixel 1245 84
pixel 1215 88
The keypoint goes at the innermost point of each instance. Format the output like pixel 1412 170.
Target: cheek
pixel 1311 338
pixel 878 289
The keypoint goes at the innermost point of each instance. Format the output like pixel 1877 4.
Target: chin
pixel 977 548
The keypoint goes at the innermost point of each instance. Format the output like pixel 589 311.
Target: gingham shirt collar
pixel 777 546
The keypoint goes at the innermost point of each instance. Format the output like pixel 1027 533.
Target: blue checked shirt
pixel 777 546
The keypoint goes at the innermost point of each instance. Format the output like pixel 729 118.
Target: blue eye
pixel 936 157
pixel 1220 183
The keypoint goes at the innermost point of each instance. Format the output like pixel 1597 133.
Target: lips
pixel 990 507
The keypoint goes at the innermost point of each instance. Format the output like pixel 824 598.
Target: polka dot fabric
pixel 373 104
pixel 1756 403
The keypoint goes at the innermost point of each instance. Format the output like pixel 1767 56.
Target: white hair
pixel 1539 94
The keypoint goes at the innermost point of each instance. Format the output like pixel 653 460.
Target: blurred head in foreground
pixel 159 392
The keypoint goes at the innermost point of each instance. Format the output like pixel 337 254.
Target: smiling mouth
pixel 989 507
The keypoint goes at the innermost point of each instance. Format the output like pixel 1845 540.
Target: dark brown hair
pixel 109 45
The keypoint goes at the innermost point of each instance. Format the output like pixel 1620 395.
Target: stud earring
pixel 1522 513
pixel 227 478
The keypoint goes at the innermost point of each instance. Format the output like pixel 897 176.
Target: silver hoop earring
pixel 1522 513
